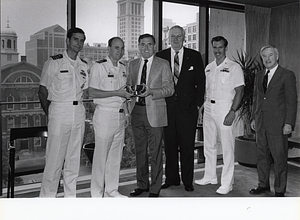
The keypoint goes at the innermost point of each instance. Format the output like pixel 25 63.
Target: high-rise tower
pixel 130 25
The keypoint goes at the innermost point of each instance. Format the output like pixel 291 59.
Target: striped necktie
pixel 142 100
pixel 176 67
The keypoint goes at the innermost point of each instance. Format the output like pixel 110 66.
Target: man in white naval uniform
pixel 224 91
pixel 64 77
pixel 107 88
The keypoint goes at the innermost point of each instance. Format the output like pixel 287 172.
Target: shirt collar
pixel 272 71
pixel 174 52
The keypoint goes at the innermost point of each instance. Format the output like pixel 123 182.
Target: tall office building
pixel 130 25
pixel 9 46
pixel 45 43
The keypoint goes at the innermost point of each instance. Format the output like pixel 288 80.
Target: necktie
pixel 143 81
pixel 265 82
pixel 176 67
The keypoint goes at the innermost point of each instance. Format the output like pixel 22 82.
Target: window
pixel 36 98
pixel 23 79
pixel 10 98
pixel 8 43
pixel 2 44
pixel 10 123
pixel 24 99
pixel 24 121
pixel 37 120
pixel 37 142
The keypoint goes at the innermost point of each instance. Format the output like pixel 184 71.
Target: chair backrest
pixel 27 132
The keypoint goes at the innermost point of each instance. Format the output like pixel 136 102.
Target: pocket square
pixel 191 68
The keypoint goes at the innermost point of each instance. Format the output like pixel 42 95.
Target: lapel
pixel 276 77
pixel 135 69
pixel 153 69
pixel 184 61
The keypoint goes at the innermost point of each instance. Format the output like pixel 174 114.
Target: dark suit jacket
pixel 190 88
pixel 161 82
pixel 279 103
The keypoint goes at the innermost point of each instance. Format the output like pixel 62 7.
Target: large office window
pixel 102 20
pixel 188 19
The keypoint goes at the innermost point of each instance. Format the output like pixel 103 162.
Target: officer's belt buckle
pixel 75 102
pixel 121 110
pixel 213 101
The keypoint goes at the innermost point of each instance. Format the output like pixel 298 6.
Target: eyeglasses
pixel 178 37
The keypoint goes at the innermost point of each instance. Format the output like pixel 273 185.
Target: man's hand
pixel 287 129
pixel 123 93
pixel 229 118
pixel 147 92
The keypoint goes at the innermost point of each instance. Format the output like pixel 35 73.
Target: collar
pixel 174 52
pixel 272 71
pixel 149 59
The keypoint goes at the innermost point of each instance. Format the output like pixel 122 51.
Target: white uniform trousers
pixel 65 135
pixel 109 126
pixel 213 118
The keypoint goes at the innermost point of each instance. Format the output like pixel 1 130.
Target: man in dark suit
pixel 189 80
pixel 149 113
pixel 274 114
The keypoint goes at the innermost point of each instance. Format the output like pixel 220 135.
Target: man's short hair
pixel 112 39
pixel 269 46
pixel 146 36
pixel 219 38
pixel 178 27
pixel 72 31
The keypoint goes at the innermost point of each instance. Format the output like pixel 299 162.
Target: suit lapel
pixel 184 61
pixel 277 75
pixel 153 70
pixel 136 68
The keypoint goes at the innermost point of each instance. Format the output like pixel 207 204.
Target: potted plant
pixel 245 146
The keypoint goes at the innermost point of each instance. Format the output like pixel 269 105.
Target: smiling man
pixel 64 77
pixel 274 115
pixel 224 91
pixel 149 114
pixel 107 88
pixel 182 108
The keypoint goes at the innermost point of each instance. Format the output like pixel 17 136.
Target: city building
pixel 45 43
pixel 97 51
pixel 130 25
pixel 9 46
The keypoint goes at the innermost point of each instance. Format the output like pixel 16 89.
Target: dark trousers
pixel 146 137
pixel 272 148
pixel 179 135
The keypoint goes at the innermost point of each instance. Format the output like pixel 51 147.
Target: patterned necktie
pixel 176 67
pixel 265 82
pixel 143 81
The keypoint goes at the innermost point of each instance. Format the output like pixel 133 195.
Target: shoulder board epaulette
pixel 122 63
pixel 56 57
pixel 101 61
pixel 83 61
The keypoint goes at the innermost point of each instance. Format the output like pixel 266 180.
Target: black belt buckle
pixel 121 110
pixel 75 102
pixel 213 101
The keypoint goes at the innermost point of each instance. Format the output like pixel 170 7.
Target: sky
pixel 98 18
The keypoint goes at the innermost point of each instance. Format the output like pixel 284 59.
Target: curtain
pixel 257 28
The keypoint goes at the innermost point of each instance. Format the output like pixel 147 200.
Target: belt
pixel 140 104
pixel 110 109
pixel 218 101
pixel 68 102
